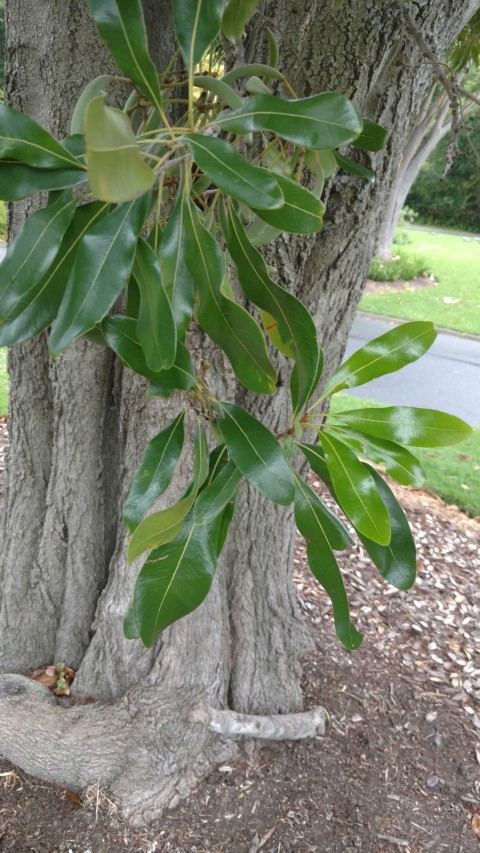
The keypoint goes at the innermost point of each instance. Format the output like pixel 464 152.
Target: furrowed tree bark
pixel 79 425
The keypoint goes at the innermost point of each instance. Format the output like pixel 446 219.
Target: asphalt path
pixel 447 377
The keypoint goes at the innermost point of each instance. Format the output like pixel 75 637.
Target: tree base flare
pixel 148 750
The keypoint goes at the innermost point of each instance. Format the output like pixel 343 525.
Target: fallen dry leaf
pixel 476 824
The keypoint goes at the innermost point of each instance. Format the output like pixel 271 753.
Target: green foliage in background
pixel 405 266
pixel 454 303
pixel 454 202
pixel 168 214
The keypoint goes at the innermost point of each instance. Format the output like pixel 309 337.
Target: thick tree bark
pixel 78 428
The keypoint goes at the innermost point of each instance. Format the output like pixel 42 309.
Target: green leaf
pixel 121 25
pixel 92 90
pixel 353 168
pixel 121 335
pixel 155 325
pixel 407 425
pixel 18 181
pixel 222 90
pixel 116 169
pixel 237 13
pixel 372 137
pixel 316 458
pixel 28 309
pixel 321 121
pixel 131 630
pixel 180 377
pixel 197 24
pixel 389 352
pixel 324 567
pixel 322 532
pixel 402 465
pixel 161 527
pixel 215 497
pixel 155 471
pixel 31 254
pixel 295 326
pixel 23 140
pixel 256 453
pixel 302 212
pixel 397 561
pixel 227 324
pixel 177 279
pixel 92 288
pixel 175 579
pixel 355 490
pixel 315 521
pixel 229 171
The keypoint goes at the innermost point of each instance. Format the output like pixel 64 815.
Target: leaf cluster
pixel 163 212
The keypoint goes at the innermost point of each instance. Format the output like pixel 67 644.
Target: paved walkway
pixel 446 378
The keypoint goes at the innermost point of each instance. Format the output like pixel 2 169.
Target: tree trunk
pixel 78 427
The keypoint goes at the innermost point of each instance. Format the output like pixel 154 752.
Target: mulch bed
pixel 399 766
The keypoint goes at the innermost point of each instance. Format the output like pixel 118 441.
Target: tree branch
pixel 274 727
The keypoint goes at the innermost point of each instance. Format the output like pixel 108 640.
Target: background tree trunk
pixel 78 427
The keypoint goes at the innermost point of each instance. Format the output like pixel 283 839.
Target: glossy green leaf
pixel 355 490
pixel 215 497
pixel 155 325
pixel 27 310
pixel 131 630
pixel 181 376
pixel 295 326
pixel 176 578
pixel 23 140
pixel 161 527
pixel 323 532
pixel 325 158
pixel 321 121
pixel 237 13
pixel 396 348
pixel 397 561
pixel 155 471
pixel 228 324
pixel 18 181
pixel 353 168
pixel 302 212
pixel 315 521
pixel 92 289
pixel 230 172
pixel 121 335
pixel 372 137
pixel 121 25
pixel 256 453
pixel 197 24
pixel 217 87
pixel 97 86
pixel 324 567
pixel 31 254
pixel 177 279
pixel 402 465
pixel 407 425
pixel 116 169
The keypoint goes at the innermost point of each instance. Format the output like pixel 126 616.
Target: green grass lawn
pixel 453 473
pixel 3 382
pixel 455 263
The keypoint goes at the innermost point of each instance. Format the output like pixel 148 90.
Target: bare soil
pixel 399 766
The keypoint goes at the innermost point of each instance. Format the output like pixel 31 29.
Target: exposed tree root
pixel 148 749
